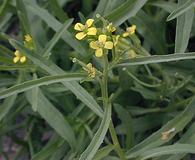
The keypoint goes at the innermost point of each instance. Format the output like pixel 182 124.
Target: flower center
pixel 84 28
pixel 100 44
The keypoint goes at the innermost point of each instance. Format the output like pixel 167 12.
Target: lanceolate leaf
pixel 101 7
pixel 125 11
pixel 185 6
pixel 6 106
pixel 55 38
pixel 22 14
pixel 39 82
pixel 187 138
pixel 48 149
pixel 11 68
pixel 166 150
pixel 103 152
pixel 166 5
pixel 127 123
pixel 98 138
pixel 183 29
pixel 158 59
pixel 54 118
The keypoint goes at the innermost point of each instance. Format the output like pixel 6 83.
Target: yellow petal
pixel 131 29
pixel 80 35
pixel 125 34
pixel 102 38
pixel 93 45
pixel 111 28
pixel 92 73
pixel 79 27
pixel 17 53
pixel 23 59
pixel 27 38
pixel 16 59
pixel 116 39
pixel 108 45
pixel 99 52
pixel 131 53
pixel 89 65
pixel 92 31
pixel 89 22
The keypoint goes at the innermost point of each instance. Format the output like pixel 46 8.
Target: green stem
pixel 141 82
pixel 118 148
pixel 104 89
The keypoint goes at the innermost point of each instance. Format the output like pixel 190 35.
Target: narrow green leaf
pixel 183 29
pixel 157 59
pixel 56 25
pixel 56 37
pixel 22 14
pixel 35 92
pixel 6 60
pixel 58 10
pixel 48 149
pixel 149 29
pixel 111 158
pixel 103 152
pixel 166 150
pixel 52 69
pixel 101 7
pixel 125 11
pixel 126 121
pixel 186 138
pixel 39 82
pixel 98 138
pixel 11 68
pixel 3 7
pixel 178 123
pixel 166 5
pixel 58 122
pixel 4 36
pixel 106 6
pixel 5 51
pixel 187 5
pixel 8 103
pixel 6 106
pixel 4 21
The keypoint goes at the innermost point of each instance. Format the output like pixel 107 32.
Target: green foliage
pixel 140 103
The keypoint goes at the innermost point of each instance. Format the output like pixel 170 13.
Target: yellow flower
pixel 28 42
pixel 85 29
pixel 115 39
pixel 90 70
pixel 131 53
pixel 129 31
pixel 19 57
pixel 27 38
pixel 110 27
pixel 100 44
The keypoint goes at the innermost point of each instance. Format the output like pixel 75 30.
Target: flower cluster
pixel 100 40
pixel 28 43
pixel 103 38
pixel 129 31
pixel 90 70
pixel 19 57
pixel 85 29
